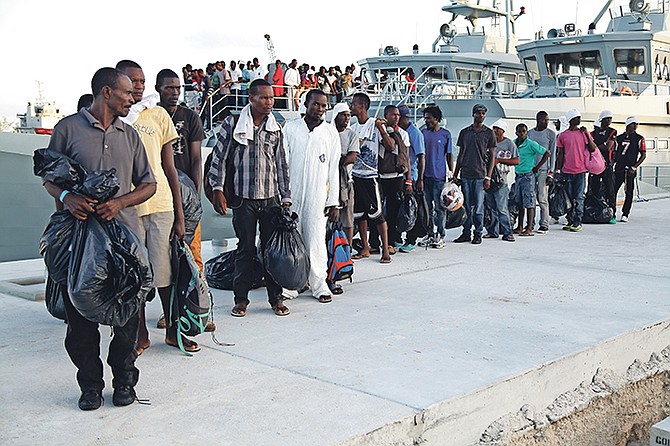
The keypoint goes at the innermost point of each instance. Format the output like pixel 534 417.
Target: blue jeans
pixel 433 190
pixel 497 202
pixel 473 195
pixel 576 185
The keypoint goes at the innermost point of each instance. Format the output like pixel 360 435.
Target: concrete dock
pixel 430 349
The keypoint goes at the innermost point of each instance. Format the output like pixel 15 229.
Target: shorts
pixel 155 235
pixel 347 211
pixel 525 190
pixel 367 200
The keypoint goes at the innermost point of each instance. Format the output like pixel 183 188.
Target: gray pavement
pixel 431 327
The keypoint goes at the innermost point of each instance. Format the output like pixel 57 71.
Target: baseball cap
pixel 404 111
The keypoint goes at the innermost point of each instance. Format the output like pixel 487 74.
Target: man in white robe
pixel 313 151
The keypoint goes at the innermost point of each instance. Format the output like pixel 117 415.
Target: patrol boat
pixel 623 69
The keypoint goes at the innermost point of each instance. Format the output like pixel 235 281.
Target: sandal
pixel 359 256
pixel 280 309
pixel 239 310
pixel 391 250
pixel 526 234
pixel 189 346
pixel 325 299
pixel 335 288
pixel 385 260
pixel 140 348
pixel 490 236
pixel 509 238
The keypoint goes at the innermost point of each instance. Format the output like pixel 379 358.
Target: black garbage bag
pixel 190 202
pixel 596 210
pixel 57 168
pixel 100 185
pixel 109 273
pixel 220 271
pixel 559 201
pixel 53 297
pixel 285 258
pixel 424 221
pixel 456 218
pixel 55 245
pixel 407 213
pixel 190 299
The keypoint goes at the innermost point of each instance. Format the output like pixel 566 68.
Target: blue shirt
pixel 437 146
pixel 416 147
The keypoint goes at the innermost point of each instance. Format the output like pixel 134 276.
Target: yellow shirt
pixel 156 129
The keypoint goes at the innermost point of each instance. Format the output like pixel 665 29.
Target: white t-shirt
pixel 235 76
pixel 365 165
pixel 292 77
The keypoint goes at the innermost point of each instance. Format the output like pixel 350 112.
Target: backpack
pixel 190 299
pixel 395 162
pixel 340 265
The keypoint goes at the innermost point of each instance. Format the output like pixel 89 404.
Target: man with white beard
pixel 313 151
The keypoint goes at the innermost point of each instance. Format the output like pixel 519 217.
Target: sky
pixel 62 43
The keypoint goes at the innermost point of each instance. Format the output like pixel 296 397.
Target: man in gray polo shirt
pixel 97 139
pixel 545 137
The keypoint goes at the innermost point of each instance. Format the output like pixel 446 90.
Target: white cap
pixel 500 124
pixel 572 114
pixel 631 119
pixel 605 114
pixel 597 122
pixel 337 109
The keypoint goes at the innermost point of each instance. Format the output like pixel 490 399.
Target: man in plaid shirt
pixel 250 149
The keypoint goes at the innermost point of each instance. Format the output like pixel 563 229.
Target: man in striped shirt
pixel 252 147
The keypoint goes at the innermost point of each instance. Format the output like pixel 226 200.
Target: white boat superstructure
pixel 41 116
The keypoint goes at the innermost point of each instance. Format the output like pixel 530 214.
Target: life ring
pixel 626 91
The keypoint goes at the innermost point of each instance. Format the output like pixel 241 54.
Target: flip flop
pixel 325 299
pixel 359 256
pixel 239 310
pixel 383 260
pixel 189 346
pixel 526 234
pixel 140 349
pixel 281 310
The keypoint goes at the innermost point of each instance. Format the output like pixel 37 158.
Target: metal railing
pixel 658 176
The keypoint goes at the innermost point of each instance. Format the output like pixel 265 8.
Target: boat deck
pixel 431 348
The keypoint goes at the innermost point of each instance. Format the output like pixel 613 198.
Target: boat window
pixel 468 76
pixel 578 63
pixel 506 82
pixel 532 68
pixel 629 61
pixel 651 144
pixel 436 74
pixel 662 144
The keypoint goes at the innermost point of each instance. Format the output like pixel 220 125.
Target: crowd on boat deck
pixel 361 176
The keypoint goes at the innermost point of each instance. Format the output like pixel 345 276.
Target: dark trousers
pixel 390 187
pixel 605 182
pixel 622 176
pixel 246 218
pixel 82 343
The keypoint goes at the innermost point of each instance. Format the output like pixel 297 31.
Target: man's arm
pixel 282 173
pixel 167 161
pixel 195 150
pixel 217 170
pixel 387 141
pixel 78 205
pixel 491 166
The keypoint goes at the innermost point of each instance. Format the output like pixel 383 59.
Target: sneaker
pixel 407 247
pixel 463 238
pixel 477 239
pixel 543 230
pixel 576 228
pixel 613 221
pixel 398 245
pixel 624 219
pixel 90 399
pixel 554 221
pixel 161 322
pixel 123 396
pixel 438 243
pixel 426 241
pixel 567 228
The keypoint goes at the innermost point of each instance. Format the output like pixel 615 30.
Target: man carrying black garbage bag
pixel 249 156
pixel 98 140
